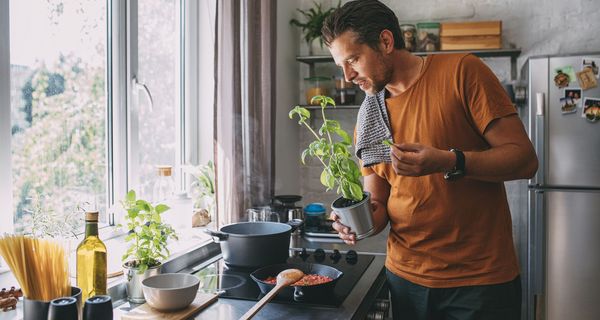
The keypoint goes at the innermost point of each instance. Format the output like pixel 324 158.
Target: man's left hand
pixel 414 159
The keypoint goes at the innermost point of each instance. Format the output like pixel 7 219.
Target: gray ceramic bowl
pixel 170 291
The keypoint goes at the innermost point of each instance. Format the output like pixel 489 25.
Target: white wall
pixel 537 27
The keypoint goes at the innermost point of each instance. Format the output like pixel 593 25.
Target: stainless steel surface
pixel 295 213
pixel 376 244
pixel 572 258
pixel 358 217
pixel 535 279
pixel 538 86
pixel 564 198
pixel 572 142
pixel 134 280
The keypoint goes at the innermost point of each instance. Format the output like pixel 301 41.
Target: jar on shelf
pixel 316 86
pixel 345 92
pixel 428 36
pixel 409 35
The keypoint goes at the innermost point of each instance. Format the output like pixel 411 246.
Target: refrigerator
pixel 563 218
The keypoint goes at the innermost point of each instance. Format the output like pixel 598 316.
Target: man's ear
pixel 386 41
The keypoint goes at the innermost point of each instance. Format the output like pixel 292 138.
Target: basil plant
pixel 331 148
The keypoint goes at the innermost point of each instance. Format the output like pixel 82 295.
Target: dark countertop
pixel 356 305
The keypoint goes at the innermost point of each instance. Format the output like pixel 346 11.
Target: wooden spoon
pixel 284 279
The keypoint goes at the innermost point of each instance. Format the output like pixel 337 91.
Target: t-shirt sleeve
pixel 483 96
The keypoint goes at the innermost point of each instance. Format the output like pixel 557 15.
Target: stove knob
pixel 351 257
pixel 319 255
pixel 304 255
pixel 336 255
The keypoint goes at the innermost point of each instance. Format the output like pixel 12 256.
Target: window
pixel 58 110
pixel 95 106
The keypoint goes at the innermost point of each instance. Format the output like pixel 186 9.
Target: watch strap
pixel 459 168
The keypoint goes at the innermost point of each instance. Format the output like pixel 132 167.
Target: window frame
pixel 6 221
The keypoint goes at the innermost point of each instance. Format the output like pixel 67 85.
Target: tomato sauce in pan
pixel 307 280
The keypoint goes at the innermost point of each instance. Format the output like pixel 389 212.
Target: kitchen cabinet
pixel 513 54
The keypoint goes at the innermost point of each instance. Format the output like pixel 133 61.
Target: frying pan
pixel 298 293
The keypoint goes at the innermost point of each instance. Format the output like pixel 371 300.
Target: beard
pixel 381 77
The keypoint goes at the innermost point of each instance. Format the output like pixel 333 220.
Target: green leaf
pixel 160 208
pixel 356 191
pixel 130 196
pixel 387 142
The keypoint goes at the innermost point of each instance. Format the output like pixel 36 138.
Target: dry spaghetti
pixel 40 266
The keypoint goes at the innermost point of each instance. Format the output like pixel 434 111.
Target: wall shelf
pixel 314 108
pixel 513 54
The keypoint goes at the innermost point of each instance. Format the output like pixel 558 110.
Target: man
pixel 457 138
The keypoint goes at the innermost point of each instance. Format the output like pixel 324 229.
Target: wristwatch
pixel 459 168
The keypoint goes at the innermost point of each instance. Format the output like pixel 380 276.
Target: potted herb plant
pixel 340 171
pixel 147 238
pixel 312 24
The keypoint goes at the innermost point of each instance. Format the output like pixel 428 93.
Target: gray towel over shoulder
pixel 372 127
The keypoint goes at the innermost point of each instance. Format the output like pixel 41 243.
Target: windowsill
pixel 114 239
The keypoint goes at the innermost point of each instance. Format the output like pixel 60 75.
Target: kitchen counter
pixel 355 306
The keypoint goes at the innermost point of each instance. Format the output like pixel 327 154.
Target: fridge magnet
pixel 563 75
pixel 591 109
pixel 575 94
pixel 593 64
pixel 587 79
pixel 567 105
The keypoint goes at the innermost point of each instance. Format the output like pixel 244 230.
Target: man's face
pixel 362 65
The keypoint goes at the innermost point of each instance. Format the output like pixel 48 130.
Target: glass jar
pixel 164 186
pixel 428 36
pixel 315 214
pixel 409 35
pixel 316 86
pixel 345 92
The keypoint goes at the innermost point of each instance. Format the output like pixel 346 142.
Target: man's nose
pixel 349 73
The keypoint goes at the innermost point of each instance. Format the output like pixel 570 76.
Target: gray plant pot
pixel 358 216
pixel 134 282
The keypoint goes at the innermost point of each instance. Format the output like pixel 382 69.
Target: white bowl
pixel 170 291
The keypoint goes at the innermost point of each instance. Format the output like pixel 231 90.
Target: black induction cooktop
pixel 235 283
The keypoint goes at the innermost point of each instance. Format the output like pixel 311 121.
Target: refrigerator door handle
pixel 539 142
pixel 536 273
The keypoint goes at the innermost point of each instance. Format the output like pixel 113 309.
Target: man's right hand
pixel 344 232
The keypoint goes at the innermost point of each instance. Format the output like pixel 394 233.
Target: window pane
pixel 58 111
pixel 158 41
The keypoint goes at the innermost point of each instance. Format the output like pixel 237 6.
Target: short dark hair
pixel 367 18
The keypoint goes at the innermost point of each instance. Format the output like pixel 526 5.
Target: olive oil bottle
pixel 91 260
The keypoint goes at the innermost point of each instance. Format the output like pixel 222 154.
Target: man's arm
pixel 511 155
pixel 380 192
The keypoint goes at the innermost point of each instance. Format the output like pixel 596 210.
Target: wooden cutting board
pixel 145 312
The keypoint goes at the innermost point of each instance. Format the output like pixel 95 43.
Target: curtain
pixel 244 106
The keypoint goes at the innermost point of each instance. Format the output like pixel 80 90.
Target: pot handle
pixel 298 294
pixel 217 236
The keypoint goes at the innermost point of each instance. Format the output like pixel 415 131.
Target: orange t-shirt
pixel 448 234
